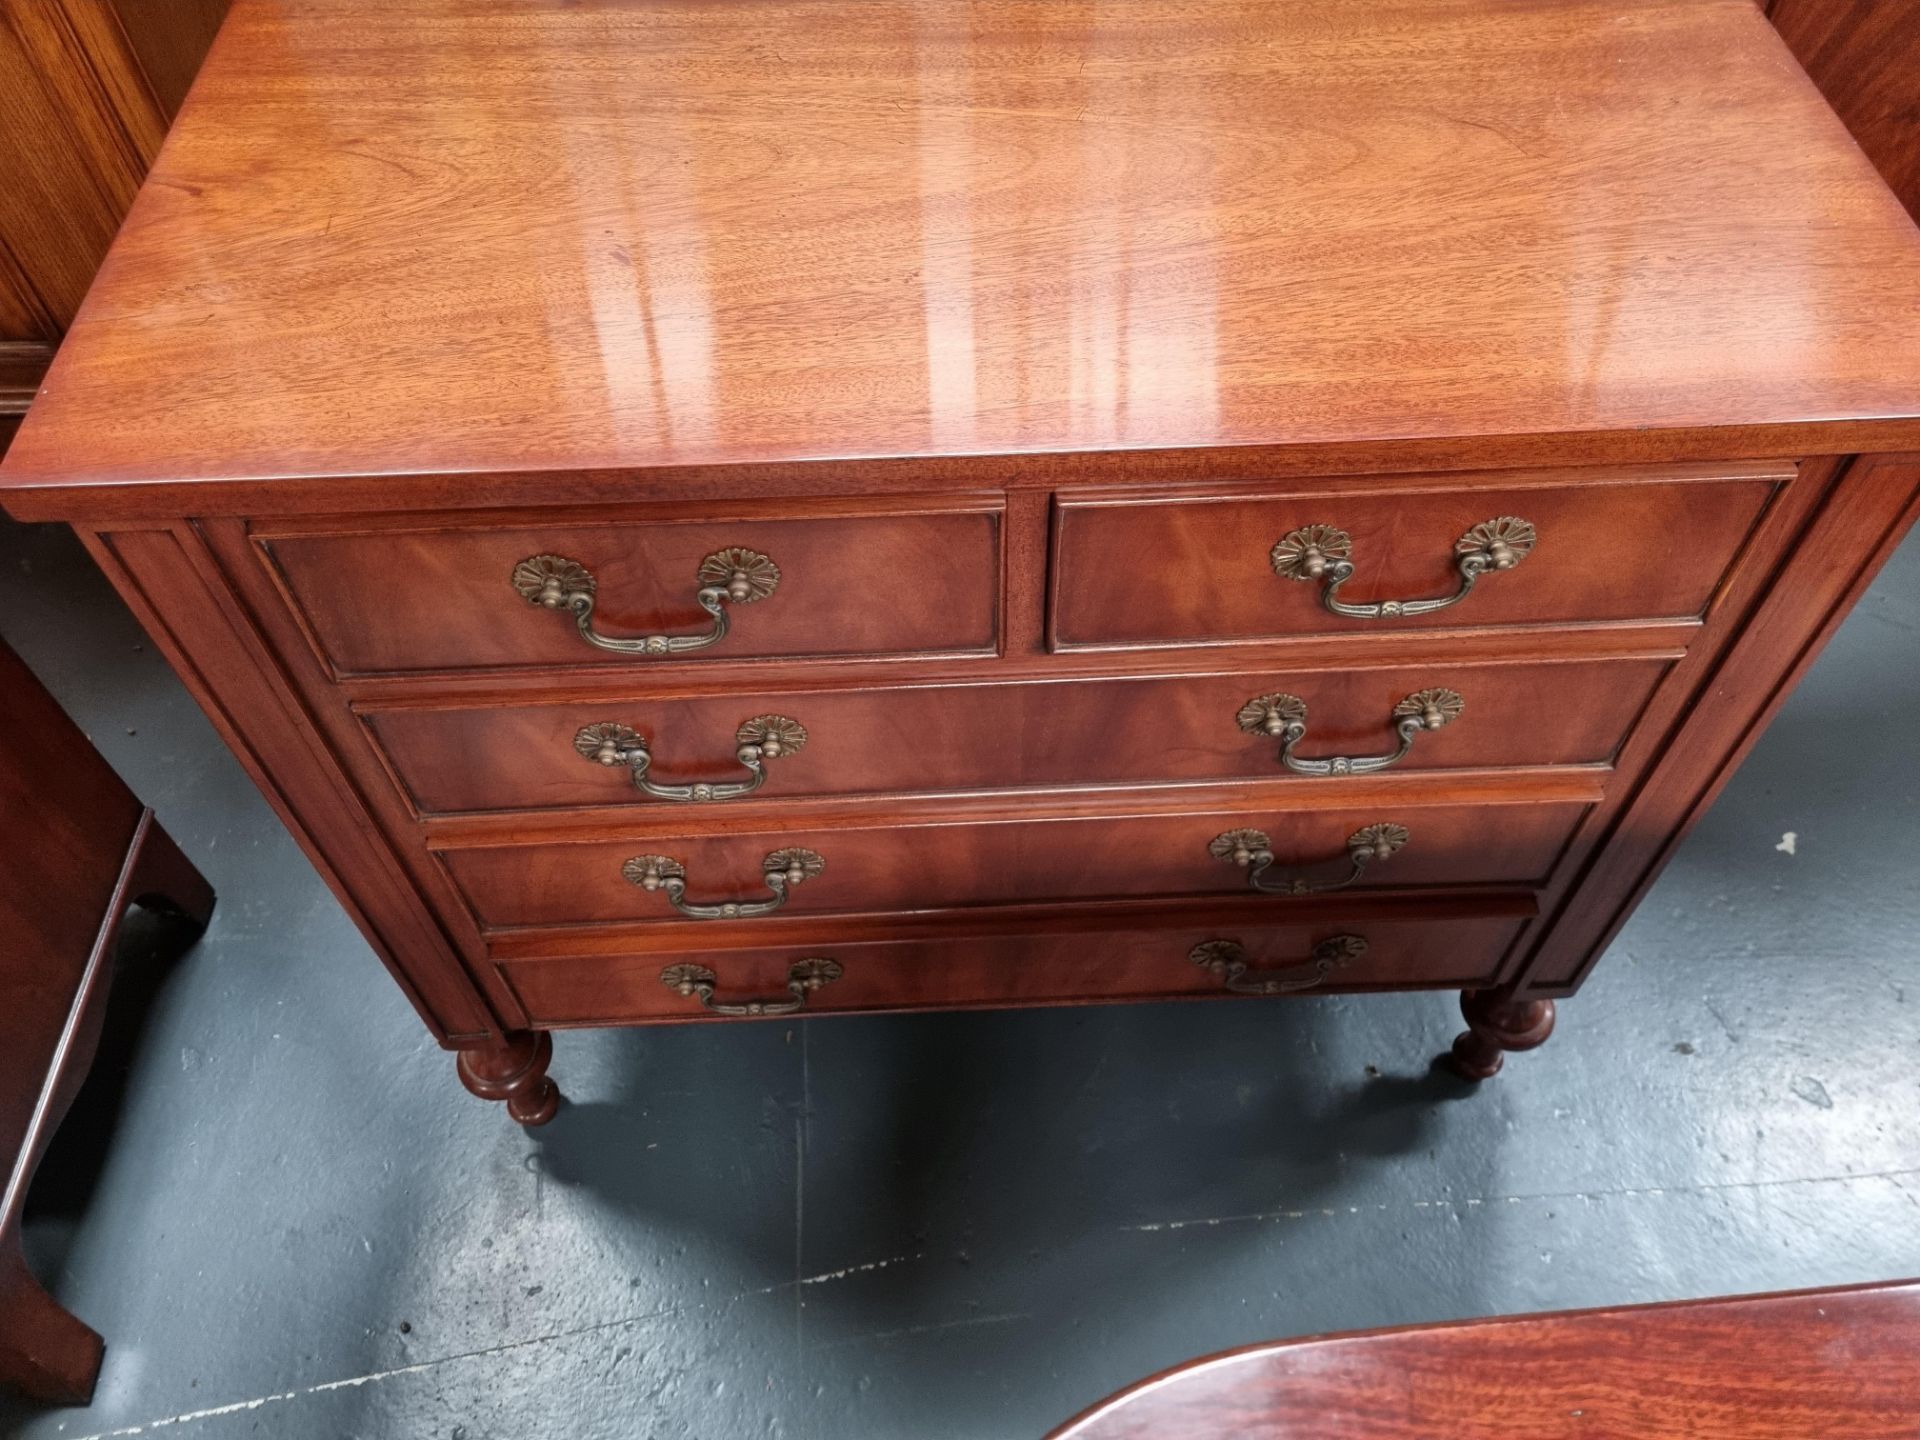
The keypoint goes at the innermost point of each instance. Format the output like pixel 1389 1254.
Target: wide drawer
pixel 952 866
pixel 1014 735
pixel 1065 968
pixel 1146 568
pixel 814 583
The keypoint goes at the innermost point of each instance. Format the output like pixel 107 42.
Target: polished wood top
pixel 1813 1365
pixel 553 235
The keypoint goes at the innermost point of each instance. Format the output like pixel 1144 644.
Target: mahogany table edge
pixel 1088 1424
pixel 45 1351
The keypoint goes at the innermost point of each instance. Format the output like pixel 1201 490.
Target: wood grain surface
pixel 958 866
pixel 1817 1365
pixel 446 238
pixel 966 971
pixel 944 739
pixel 1179 568
pixel 439 596
pixel 1865 57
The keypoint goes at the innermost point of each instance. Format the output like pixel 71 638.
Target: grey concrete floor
pixel 953 1225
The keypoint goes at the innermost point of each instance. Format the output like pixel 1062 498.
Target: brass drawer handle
pixel 1325 553
pixel 733 576
pixel 1228 960
pixel 696 982
pixel 781 871
pixel 1251 850
pixel 1285 718
pixel 763 738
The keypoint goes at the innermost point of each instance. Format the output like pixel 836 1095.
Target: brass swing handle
pixel 763 738
pixel 1325 553
pixel 696 982
pixel 726 577
pixel 781 870
pixel 1284 717
pixel 1253 851
pixel 1228 960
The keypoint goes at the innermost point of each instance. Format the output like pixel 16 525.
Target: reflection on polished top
pixel 448 235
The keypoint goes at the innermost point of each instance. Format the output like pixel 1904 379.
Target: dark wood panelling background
pixel 170 39
pixel 1865 57
pixel 87 90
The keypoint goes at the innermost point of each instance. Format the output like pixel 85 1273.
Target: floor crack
pixel 1478 1202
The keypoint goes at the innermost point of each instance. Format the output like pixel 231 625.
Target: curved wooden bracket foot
pixel 515 1071
pixel 44 1351
pixel 1497 1023
pixel 163 879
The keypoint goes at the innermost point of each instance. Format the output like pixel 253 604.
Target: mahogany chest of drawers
pixel 700 511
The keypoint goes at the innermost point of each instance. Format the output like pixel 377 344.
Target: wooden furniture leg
pixel 1497 1023
pixel 160 878
pixel 45 1352
pixel 515 1071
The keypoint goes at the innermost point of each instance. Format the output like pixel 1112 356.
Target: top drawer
pixel 807 580
pixel 1142 569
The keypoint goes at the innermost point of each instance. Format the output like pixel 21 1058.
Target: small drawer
pixel 1091 731
pixel 1285 855
pixel 1144 569
pixel 1357 951
pixel 516 593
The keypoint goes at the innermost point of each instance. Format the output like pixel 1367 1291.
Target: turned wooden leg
pixel 514 1070
pixel 44 1352
pixel 1497 1023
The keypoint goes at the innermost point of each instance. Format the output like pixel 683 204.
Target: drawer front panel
pixel 1056 969
pixel 1193 571
pixel 860 584
pixel 1147 730
pixel 953 866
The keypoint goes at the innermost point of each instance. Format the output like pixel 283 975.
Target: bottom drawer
pixel 1360 952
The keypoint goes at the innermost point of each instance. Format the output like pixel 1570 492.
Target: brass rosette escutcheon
pixel 1309 552
pixel 1240 847
pixel 1272 714
pixel 1498 544
pixel 771 736
pixel 1432 708
pixel 745 575
pixel 1378 842
pixel 792 866
pixel 609 744
pixel 553 582
pixel 653 872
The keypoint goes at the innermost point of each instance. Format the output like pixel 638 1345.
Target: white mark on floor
pixel 1475 1202
pixel 969 1322
pixel 1809 1089
pixel 240 1406
pixel 858 1269
pixel 1787 842
pixel 800 1200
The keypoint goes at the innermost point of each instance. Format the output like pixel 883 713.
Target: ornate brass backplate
pixel 1227 959
pixel 1284 717
pixel 734 576
pixel 756 741
pixel 1324 554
